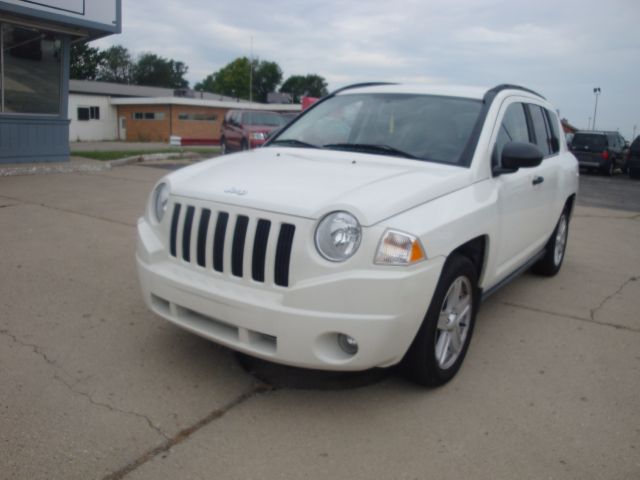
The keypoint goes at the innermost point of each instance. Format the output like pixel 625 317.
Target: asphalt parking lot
pixel 94 386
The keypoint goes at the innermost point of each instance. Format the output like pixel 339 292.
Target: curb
pixel 70 167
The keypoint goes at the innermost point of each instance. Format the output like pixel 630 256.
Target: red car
pixel 245 129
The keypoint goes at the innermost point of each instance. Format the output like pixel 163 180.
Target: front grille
pixel 194 229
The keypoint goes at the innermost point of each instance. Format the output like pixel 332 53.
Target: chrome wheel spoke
pixel 442 347
pixel 456 340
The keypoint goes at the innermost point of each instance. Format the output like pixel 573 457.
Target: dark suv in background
pixel 245 129
pixel 634 158
pixel 604 151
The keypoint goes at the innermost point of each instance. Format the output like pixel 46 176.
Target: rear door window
pixel 540 129
pixel 552 122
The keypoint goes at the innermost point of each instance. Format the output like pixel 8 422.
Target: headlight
pixel 160 200
pixel 338 236
pixel 397 248
pixel 258 136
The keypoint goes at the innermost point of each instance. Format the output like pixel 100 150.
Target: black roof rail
pixel 506 86
pixel 361 85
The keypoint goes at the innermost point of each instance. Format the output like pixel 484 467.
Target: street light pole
pixel 596 92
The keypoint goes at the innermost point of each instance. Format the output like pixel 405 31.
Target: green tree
pixel 156 71
pixel 233 79
pixel 266 78
pixel 117 65
pixel 300 85
pixel 85 61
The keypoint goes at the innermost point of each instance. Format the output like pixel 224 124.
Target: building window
pixel 148 115
pixel 198 117
pixel 88 113
pixel 30 70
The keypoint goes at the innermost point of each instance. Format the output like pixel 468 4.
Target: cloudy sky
pixel 563 49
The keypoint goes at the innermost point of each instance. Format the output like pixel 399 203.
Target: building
pixel 111 111
pixel 92 115
pixel 196 121
pixel 35 39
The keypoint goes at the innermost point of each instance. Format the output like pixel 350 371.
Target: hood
pixel 311 183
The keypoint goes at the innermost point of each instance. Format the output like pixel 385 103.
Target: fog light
pixel 348 344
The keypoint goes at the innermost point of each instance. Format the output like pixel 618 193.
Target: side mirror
pixel 516 155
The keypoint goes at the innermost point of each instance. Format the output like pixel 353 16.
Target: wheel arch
pixel 476 251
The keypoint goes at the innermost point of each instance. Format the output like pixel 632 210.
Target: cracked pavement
pixel 96 387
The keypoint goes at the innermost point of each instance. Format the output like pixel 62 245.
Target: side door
pixel 522 195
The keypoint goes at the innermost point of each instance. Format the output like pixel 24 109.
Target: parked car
pixel 246 129
pixel 602 151
pixel 634 158
pixel 365 233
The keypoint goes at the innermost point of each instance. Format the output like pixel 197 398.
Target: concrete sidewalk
pixel 94 386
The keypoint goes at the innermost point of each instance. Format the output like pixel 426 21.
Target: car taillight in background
pixel 605 155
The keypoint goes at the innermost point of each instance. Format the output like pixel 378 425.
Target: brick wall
pixel 194 128
pixel 146 130
pixel 191 127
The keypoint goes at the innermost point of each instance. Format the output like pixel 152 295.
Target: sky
pixel 562 49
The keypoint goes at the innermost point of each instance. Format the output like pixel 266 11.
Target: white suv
pixel 367 231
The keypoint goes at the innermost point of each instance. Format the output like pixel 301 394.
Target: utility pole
pixel 596 92
pixel 633 137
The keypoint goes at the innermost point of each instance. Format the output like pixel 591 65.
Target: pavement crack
pixel 73 212
pixel 72 387
pixel 609 297
pixel 186 433
pixel 573 317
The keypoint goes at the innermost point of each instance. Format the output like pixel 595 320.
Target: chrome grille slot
pixel 199 235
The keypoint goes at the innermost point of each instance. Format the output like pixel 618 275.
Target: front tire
pixel 550 264
pixel 441 344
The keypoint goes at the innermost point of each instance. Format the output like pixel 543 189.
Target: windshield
pixel 589 141
pixel 262 118
pixel 423 127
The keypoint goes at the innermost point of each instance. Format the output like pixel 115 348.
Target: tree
pixel 156 71
pixel 233 79
pixel 85 61
pixel 266 78
pixel 305 85
pixel 117 65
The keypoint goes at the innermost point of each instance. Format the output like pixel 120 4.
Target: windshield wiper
pixel 292 142
pixel 369 148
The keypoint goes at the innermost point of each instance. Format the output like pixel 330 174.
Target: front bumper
pixel 296 325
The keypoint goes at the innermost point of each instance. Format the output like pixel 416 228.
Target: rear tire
pixel 609 170
pixel 245 145
pixel 550 264
pixel 437 352
pixel 223 146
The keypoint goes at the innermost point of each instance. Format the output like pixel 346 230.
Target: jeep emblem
pixel 236 191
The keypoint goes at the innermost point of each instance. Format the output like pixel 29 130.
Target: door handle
pixel 537 180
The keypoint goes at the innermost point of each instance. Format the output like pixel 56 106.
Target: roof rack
pixel 361 85
pixel 507 86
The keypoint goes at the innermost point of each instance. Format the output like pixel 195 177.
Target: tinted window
pixel 540 129
pixel 553 127
pixel 589 141
pixel 512 129
pixel 262 118
pixel 32 69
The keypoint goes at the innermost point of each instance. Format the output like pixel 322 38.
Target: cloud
pixel 563 49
